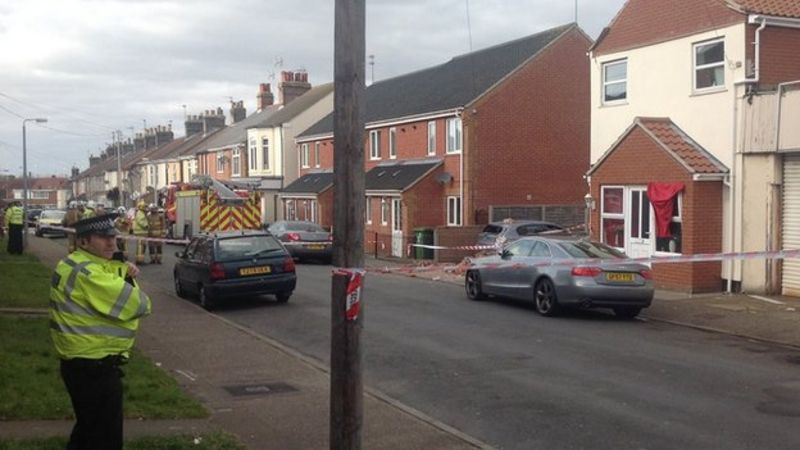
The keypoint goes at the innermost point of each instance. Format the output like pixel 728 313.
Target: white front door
pixel 638 231
pixel 397 228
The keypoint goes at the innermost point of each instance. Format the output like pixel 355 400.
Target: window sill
pixel 665 254
pixel 708 91
pixel 613 104
pixel 456 152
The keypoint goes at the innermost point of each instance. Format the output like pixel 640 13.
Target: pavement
pixel 273 397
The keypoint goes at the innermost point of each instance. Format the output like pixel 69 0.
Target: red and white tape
pixel 131 236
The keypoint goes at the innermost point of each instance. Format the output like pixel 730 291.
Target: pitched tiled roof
pixel 398 176
pixel 236 133
pixel 296 107
pixel 685 150
pixel 781 8
pixel 447 86
pixel 312 183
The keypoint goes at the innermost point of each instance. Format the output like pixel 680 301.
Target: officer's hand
pixel 133 271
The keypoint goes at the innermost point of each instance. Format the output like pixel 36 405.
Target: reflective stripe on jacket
pixel 88 213
pixel 140 223
pixel 14 215
pixel 94 312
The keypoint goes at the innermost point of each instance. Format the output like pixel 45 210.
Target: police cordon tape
pixel 129 236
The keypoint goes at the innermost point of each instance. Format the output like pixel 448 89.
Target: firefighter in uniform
pixel 73 215
pixel 140 231
pixel 123 225
pixel 15 222
pixel 155 229
pixel 89 210
pixel 95 307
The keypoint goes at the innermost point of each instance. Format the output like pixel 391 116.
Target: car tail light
pixel 586 271
pixel 646 274
pixel 293 236
pixel 288 265
pixel 330 237
pixel 216 271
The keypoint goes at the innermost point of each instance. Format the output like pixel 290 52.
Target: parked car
pixel 304 240
pixel 511 230
pixel 49 219
pixel 556 272
pixel 33 216
pixel 234 264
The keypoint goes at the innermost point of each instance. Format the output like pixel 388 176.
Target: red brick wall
pixel 529 138
pixel 325 202
pixel 645 22
pixel 425 204
pixel 456 237
pixel 780 55
pixel 638 160
pixel 210 161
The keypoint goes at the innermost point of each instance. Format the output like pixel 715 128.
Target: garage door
pixel 791 223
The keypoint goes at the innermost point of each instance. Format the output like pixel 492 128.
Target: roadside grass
pixel 24 281
pixel 208 441
pixel 31 386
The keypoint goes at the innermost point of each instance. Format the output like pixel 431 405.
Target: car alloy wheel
pixel 178 286
pixel 545 297
pixel 472 285
pixel 205 299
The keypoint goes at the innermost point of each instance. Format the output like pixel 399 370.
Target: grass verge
pixel 25 281
pixel 209 441
pixel 31 386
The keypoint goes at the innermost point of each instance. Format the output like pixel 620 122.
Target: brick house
pixel 683 114
pixel 43 192
pixel 506 126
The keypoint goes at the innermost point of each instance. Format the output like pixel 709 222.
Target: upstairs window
pixel 615 82
pixel 709 65
pixel 375 144
pixel 265 153
pixel 431 138
pixel 393 143
pixel 251 155
pixel 236 168
pixel 304 156
pixel 316 154
pixel 220 162
pixel 454 135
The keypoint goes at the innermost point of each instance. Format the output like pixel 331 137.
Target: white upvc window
pixel 385 212
pixel 314 211
pixel 454 135
pixel 393 143
pixel 431 137
pixel 304 156
pixel 220 162
pixel 252 153
pixel 236 165
pixel 612 216
pixel 265 153
pixel 368 210
pixel 291 212
pixel 615 82
pixel 454 211
pixel 375 144
pixel 316 154
pixel 709 65
pixel 673 244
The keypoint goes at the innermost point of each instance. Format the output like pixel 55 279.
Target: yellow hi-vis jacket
pixel 14 216
pixel 94 312
pixel 88 213
pixel 140 223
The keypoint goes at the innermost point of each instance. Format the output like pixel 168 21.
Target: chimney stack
pixel 93 160
pixel 292 85
pixel 265 97
pixel 238 111
pixel 75 172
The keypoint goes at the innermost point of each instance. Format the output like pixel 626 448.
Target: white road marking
pixel 765 299
pixel 187 374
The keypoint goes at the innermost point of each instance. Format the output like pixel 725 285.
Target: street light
pixel 25 180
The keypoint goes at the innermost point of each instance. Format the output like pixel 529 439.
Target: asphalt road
pixel 499 372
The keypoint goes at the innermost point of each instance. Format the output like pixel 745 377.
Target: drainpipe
pixel 757 72
pixel 461 163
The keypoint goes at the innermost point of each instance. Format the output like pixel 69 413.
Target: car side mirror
pixel 504 254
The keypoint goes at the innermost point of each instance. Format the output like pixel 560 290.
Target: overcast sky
pixel 94 66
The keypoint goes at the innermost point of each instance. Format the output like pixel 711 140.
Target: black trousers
pixel 95 388
pixel 15 239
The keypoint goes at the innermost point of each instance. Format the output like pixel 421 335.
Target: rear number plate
pixel 616 276
pixel 255 270
pixel 315 247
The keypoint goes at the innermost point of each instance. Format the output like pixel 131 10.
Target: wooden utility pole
pixel 346 407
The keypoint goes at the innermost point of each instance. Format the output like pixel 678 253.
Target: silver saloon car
pixel 556 272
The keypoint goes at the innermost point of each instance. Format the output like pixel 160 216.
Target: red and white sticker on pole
pixel 355 282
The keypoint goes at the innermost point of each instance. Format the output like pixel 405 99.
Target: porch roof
pixel 685 150
pixel 312 183
pixel 400 175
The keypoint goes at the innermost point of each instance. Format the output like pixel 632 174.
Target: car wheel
pixel 283 297
pixel 472 284
pixel 627 312
pixel 206 301
pixel 178 287
pixel 545 298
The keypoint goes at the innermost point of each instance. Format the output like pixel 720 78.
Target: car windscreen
pixel 58 215
pixel 247 246
pixel 300 226
pixel 492 229
pixel 587 249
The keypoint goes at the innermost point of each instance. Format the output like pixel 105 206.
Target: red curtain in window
pixel 661 195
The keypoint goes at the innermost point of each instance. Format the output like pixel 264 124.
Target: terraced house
pixel 694 141
pixel 495 132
